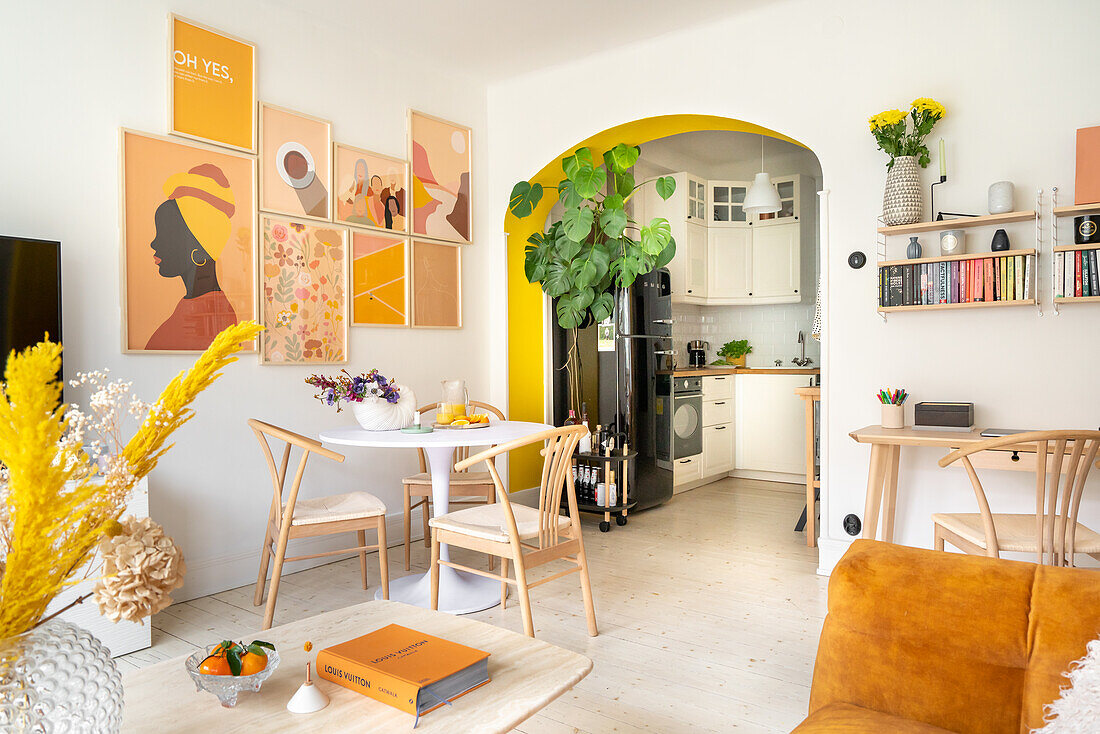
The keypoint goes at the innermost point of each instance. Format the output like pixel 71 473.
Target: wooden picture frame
pixel 299 250
pixel 371 295
pixel 215 74
pixel 139 220
pixel 435 270
pixel 295 176
pixel 342 179
pixel 425 168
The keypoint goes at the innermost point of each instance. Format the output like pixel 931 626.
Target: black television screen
pixel 30 293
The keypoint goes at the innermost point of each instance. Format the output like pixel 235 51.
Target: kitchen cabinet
pixel 697 266
pixel 770 420
pixel 726 204
pixel 717 450
pixel 718 417
pixel 696 199
pixel 729 263
pixel 776 261
pixel 789 189
pixel 686 469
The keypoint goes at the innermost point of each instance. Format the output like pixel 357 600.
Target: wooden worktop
pixel 704 371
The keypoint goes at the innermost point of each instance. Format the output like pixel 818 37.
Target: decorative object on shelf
pixel 893 407
pixel 1002 197
pixel 308 699
pixel 762 197
pixel 227 687
pixel 370 189
pixel 914 249
pixel 295 163
pixel 379 282
pixel 583 257
pixel 436 285
pixel 441 171
pixel 1086 188
pixel 735 351
pixel 58 677
pixel 902 202
pixel 379 404
pixel 213 94
pixel 304 292
pixel 194 206
pixel 857 260
pixel 1085 230
pixel 1000 241
pixel 953 242
pixel 61 502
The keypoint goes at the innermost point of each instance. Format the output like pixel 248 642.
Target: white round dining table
pixel 460 592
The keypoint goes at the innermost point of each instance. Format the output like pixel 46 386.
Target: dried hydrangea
pixel 141 567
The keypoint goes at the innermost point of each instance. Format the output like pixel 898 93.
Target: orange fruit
pixel 460 422
pixel 252 662
pixel 216 664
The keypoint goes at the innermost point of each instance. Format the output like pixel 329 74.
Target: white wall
pixel 72 73
pixel 1013 79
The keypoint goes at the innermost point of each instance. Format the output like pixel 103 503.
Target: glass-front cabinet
pixel 788 189
pixel 696 199
pixel 726 203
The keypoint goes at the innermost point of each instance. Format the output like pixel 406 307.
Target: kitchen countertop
pixel 703 371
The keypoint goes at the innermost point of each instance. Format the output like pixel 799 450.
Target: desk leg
pixel 890 495
pixel 811 492
pixel 876 473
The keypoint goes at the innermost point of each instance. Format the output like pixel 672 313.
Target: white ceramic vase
pixel 902 201
pixel 378 415
pixel 1002 197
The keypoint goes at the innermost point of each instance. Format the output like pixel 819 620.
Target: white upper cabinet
pixel 729 262
pixel 726 204
pixel 789 189
pixel 776 261
pixel 696 199
pixel 697 267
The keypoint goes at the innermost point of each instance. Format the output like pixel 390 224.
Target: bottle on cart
pixel 572 419
pixel 585 445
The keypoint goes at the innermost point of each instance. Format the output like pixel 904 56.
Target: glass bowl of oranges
pixel 228 668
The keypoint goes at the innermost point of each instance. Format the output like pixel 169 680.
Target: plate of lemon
pixel 475 420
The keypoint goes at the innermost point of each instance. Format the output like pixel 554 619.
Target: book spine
pixel 1010 279
pixel 954 297
pixel 1059 274
pixel 964 273
pixel 1069 275
pixel 998 293
pixel 907 286
pixel 1086 284
pixel 1094 274
pixel 1027 275
pixel 1077 274
pixel 1018 269
pixel 977 279
pixel 373 683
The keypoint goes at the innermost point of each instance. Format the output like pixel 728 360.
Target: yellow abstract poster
pixel 213 86
pixel 378 277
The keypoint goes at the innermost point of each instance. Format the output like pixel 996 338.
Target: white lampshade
pixel 762 198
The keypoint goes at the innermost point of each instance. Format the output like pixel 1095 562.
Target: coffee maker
pixel 697 353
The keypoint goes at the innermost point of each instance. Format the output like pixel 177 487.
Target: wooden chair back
pixel 461 452
pixel 1056 502
pixel 557 479
pixel 266 431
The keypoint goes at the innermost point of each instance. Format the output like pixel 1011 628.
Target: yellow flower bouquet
pixel 892 133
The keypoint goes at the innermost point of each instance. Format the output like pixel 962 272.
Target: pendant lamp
pixel 762 198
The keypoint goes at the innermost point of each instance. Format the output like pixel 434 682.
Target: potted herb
pixel 735 351
pixel 902 201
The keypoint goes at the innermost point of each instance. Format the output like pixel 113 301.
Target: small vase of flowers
pixel 902 201
pixel 379 403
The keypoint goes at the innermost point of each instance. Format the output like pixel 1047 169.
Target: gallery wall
pixel 1010 75
pixel 79 71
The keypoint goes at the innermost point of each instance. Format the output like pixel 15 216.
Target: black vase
pixel 1000 241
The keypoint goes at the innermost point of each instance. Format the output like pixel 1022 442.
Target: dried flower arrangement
pixel 348 389
pixel 60 503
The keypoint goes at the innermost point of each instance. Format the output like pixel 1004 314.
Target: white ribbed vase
pixel 902 201
pixel 378 415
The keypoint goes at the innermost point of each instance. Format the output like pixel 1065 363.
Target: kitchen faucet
pixel 803 360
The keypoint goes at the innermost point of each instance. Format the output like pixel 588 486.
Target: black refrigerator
pixel 615 374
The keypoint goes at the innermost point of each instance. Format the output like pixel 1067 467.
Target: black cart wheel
pixel 620 520
pixel 604 526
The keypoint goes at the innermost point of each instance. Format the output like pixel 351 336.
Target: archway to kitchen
pixel 530 328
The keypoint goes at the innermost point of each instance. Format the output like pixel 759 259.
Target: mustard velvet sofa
pixel 918 641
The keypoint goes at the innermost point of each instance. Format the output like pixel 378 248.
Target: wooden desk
pixel 810 396
pixel 526 675
pixel 882 474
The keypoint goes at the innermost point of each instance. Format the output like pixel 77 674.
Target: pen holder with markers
pixel 893 407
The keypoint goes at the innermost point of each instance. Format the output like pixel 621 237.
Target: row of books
pixel 1076 274
pixel 1006 278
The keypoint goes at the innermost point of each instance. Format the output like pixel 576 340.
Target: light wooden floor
pixel 709 611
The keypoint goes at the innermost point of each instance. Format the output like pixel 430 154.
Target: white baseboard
pixel 829 552
pixel 769 476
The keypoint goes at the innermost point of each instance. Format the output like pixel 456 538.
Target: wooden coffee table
pixel 526 675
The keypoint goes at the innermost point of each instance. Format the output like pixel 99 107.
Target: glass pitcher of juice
pixel 452 403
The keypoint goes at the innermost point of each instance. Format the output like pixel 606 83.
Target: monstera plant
pixel 596 246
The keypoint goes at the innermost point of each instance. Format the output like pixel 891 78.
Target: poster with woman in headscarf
pixel 188 239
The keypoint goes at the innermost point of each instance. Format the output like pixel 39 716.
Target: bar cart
pixel 614 464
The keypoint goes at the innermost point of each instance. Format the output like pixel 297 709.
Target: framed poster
pixel 379 279
pixel 440 155
pixel 212 85
pixel 304 293
pixel 436 285
pixel 371 189
pixel 295 163
pixel 188 242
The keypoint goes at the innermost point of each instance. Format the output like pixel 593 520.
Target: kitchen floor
pixel 709 611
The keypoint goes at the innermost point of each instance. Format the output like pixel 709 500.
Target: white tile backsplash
pixel 772 331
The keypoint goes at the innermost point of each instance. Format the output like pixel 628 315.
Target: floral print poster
pixel 304 293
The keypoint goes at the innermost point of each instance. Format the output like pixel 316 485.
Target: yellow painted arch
pixel 526 381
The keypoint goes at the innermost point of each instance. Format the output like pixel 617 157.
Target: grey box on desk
pixel 943 415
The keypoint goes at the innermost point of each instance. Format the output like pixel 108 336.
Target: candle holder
pixel 932 197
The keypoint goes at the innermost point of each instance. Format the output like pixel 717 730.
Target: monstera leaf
pixel 525 197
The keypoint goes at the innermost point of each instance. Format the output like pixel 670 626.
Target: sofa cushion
pixel 844 718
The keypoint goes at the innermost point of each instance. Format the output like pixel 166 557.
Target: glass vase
pixel 58 679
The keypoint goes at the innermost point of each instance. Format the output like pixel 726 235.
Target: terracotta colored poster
pixel 436 285
pixel 295 163
pixel 440 156
pixel 378 282
pixel 370 189
pixel 187 242
pixel 304 292
pixel 213 86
